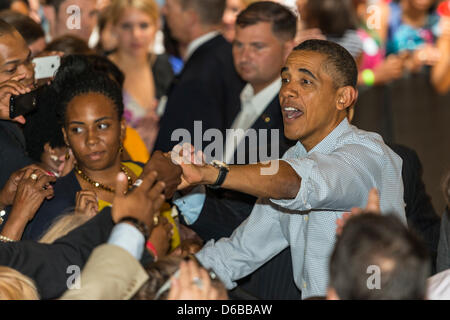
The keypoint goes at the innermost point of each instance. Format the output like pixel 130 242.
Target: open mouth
pixel 292 113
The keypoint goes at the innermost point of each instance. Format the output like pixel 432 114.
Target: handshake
pixel 163 174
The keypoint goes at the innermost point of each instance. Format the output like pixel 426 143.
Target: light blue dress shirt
pixel 337 175
pixel 129 238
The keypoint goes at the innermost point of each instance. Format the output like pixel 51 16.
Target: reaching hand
pixel 373 206
pixel 191 163
pixel 193 283
pixel 168 172
pixel 161 236
pixel 8 89
pixel 8 192
pixel 142 202
pixel 32 190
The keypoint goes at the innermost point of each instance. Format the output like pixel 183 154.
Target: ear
pixel 48 148
pixel 346 97
pixel 331 294
pixel 192 17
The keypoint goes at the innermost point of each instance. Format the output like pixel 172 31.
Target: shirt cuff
pixel 128 237
pixel 191 205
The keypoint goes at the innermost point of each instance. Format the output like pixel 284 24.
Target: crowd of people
pixel 204 149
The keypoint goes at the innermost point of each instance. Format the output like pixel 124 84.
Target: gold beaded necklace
pixel 100 185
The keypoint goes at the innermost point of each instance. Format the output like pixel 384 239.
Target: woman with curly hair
pixel 90 110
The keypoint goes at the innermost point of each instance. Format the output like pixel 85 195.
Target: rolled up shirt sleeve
pixel 336 181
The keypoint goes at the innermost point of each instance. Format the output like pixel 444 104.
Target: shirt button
pixel 306 218
pixel 304 285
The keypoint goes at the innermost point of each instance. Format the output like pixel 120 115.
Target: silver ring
pixel 197 282
pixel 33 176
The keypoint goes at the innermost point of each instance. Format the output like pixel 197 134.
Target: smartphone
pixel 46 67
pixel 23 104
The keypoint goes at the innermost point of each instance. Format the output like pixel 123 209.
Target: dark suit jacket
pixel 202 92
pixel 443 255
pixel 420 214
pixel 47 264
pixel 12 150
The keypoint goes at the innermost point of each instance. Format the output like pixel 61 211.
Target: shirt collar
pixel 195 44
pixel 262 98
pixel 329 142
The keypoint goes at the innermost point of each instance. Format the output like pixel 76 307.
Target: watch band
pixel 141 226
pixel 223 171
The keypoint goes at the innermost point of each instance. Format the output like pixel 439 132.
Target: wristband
pixel 152 248
pixel 368 77
pixel 142 227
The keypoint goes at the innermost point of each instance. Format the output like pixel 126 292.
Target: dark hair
pixel 42 125
pixel 6 28
pixel 284 22
pixel 27 27
pixel 210 11
pixel 69 44
pixel 5 4
pixel 332 17
pixel 103 64
pixel 77 76
pixel 159 273
pixel 374 241
pixel 340 64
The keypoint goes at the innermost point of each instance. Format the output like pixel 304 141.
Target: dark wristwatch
pixel 141 226
pixel 223 171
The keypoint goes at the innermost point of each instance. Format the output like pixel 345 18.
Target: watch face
pixel 219 164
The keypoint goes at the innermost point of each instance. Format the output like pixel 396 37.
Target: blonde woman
pixel 15 286
pixel 63 225
pixel 147 76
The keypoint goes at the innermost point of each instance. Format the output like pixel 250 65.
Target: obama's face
pixel 311 104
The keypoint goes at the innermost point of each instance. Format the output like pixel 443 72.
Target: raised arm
pixel 275 179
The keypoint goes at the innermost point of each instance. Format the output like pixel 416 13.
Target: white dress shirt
pixel 337 175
